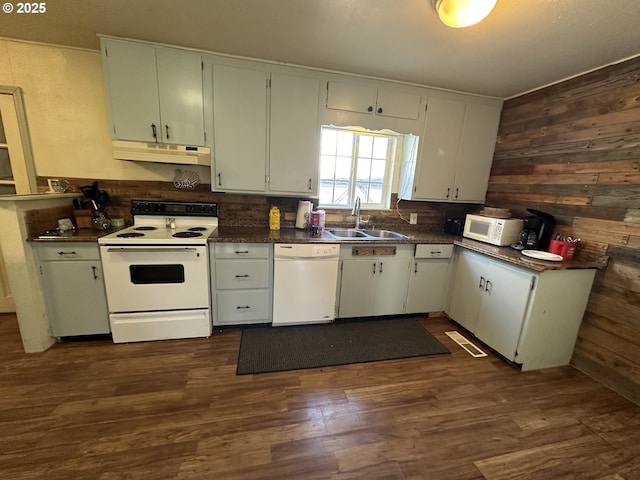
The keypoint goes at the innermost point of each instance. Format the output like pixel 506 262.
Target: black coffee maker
pixel 536 231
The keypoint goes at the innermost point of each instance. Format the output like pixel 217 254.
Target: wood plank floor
pixel 176 410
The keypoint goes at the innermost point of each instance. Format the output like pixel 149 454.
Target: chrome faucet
pixel 356 211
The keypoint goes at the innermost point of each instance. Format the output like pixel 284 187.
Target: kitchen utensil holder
pixel 565 249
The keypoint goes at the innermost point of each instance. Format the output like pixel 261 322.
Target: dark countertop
pixel 291 235
pixel 262 235
pixel 77 235
pixel 515 257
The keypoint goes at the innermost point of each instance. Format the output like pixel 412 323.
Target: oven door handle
pixel 151 249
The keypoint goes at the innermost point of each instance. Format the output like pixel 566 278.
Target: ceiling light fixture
pixel 462 13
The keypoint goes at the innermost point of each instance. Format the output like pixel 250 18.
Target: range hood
pixel 161 153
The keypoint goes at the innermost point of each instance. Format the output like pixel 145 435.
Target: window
pixel 355 163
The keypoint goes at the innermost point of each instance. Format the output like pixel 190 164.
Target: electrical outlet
pixel 413 218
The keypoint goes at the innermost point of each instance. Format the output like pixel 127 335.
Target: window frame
pixel 392 152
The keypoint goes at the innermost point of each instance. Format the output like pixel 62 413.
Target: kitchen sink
pixel 384 234
pixel 355 234
pixel 346 233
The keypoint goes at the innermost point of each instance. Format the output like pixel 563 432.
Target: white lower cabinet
pixel 373 280
pixel 241 283
pixel 531 318
pixel 429 278
pixel 73 286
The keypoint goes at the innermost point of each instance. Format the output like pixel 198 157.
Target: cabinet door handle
pixel 309 184
pixel 374 268
pixel 448 192
pixel 379 110
pixel 95 272
pixel 481 284
pixel 242 276
pixel 370 109
pixel 487 287
pixel 153 131
pixel 242 307
pixel 457 192
pixel 66 253
pixel 219 179
pixel 241 252
pixel 415 267
pixel 435 252
pixel 380 267
pixel 166 128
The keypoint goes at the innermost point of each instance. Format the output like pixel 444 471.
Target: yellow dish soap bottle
pixel 274 218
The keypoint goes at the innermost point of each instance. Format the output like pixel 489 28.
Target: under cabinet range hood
pixel 161 153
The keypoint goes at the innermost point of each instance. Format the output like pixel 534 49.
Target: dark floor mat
pixel 273 349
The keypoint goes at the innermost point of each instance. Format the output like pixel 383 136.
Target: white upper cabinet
pixel 154 93
pixel 266 130
pixel 392 103
pixel 456 152
pixel 475 153
pixel 442 132
pixel 180 93
pixel 372 100
pixel 293 153
pixel 132 90
pixel 240 129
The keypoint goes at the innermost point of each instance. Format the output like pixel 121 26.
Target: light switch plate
pixel 413 218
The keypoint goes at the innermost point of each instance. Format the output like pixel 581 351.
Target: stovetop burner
pixel 165 223
pixel 186 234
pixel 130 235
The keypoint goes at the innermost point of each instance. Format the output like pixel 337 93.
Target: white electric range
pixel 156 272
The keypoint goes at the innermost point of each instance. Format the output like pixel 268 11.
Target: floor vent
pixel 466 344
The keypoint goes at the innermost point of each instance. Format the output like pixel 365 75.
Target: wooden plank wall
pixel 573 150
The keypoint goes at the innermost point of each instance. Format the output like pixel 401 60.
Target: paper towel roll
pixel 303 218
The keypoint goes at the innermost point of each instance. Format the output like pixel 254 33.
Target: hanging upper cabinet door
pixel 293 158
pixel 351 98
pixel 437 167
pixel 180 93
pixel 240 129
pixel 475 153
pixel 392 103
pixel 385 102
pixel 456 152
pixel 154 93
pixel 132 90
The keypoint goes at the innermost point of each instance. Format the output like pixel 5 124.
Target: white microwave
pixel 496 231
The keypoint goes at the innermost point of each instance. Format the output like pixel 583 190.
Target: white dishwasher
pixel 305 279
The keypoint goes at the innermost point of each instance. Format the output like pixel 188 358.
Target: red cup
pixel 565 249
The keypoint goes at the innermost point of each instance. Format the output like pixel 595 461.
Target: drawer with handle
pixel 236 308
pixel 68 251
pixel 235 274
pixel 242 250
pixel 434 250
